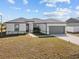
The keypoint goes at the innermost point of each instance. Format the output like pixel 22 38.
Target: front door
pixel 27 27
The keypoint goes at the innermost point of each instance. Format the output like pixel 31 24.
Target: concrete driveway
pixel 69 37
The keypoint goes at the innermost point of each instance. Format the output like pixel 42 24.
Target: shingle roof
pixel 48 21
pixel 21 19
pixel 36 20
pixel 73 20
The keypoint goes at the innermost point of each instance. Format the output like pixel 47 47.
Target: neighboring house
pixel 72 25
pixel 23 25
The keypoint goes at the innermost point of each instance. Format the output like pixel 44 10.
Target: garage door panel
pixel 56 29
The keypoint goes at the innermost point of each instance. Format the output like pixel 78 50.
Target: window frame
pixel 16 27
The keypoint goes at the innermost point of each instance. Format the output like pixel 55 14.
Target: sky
pixel 59 9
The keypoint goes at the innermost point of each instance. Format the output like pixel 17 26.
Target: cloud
pixel 76 13
pixel 1 13
pixel 36 11
pixel 52 3
pixel 77 7
pixel 11 1
pixel 28 10
pixel 25 2
pixel 65 1
pixel 59 13
pixel 63 11
pixel 16 8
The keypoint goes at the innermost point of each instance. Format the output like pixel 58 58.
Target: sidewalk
pixel 69 37
pixel 32 35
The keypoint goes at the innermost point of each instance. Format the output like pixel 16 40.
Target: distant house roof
pixel 19 20
pixel 73 20
pixel 36 20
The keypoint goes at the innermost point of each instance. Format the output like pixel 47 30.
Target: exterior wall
pixel 22 28
pixel 72 28
pixel 69 29
pixel 76 29
pixel 72 24
pixel 10 29
pixel 43 28
pixel 53 25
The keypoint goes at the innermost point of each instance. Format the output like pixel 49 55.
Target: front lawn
pixel 26 47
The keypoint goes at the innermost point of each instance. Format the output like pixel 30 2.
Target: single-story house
pixel 72 25
pixel 23 25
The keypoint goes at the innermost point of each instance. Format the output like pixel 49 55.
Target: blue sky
pixel 59 9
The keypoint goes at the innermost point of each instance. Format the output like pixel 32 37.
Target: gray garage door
pixel 56 29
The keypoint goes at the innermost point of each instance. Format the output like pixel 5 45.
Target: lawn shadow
pixel 11 35
pixel 62 35
pixel 42 35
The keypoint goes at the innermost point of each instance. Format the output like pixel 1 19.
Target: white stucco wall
pixel 10 29
pixel 22 28
pixel 72 24
pixel 76 29
pixel 72 28
pixel 69 29
pixel 42 28
pixel 53 25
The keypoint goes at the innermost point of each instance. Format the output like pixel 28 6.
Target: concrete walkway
pixel 69 37
pixel 32 35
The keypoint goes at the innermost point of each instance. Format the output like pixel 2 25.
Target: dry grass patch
pixel 26 47
pixel 76 34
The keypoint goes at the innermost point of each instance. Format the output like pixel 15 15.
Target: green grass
pixel 26 47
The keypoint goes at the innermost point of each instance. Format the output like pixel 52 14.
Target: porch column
pixel 30 27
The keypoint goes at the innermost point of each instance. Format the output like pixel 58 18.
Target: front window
pixel 16 27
